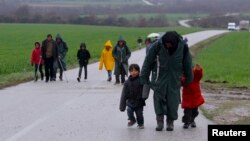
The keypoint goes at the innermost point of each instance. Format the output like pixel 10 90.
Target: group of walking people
pixel 52 54
pixel 169 63
pixel 166 69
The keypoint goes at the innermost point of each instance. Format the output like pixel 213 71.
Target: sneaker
pixel 78 79
pixel 193 124
pixel 186 125
pixel 140 126
pixel 131 123
pixel 41 78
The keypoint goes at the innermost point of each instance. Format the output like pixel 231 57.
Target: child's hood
pixel 108 43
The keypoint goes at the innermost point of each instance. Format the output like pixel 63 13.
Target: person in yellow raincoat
pixel 107 59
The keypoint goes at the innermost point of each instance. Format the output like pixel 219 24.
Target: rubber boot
pixel 160 122
pixel 170 125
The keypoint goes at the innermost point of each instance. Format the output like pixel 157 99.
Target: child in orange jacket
pixel 192 98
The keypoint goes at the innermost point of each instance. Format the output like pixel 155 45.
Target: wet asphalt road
pixel 85 111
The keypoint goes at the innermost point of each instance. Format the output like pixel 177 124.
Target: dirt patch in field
pixel 226 105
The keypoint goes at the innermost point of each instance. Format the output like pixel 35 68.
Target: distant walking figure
pixel 62 51
pixel 36 59
pixel 83 57
pixel 139 41
pixel 107 59
pixel 49 55
pixel 121 53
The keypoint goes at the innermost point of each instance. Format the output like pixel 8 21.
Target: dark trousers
pixel 40 70
pixel 109 73
pixel 85 71
pixel 61 68
pixel 190 115
pixel 122 73
pixel 49 68
pixel 138 112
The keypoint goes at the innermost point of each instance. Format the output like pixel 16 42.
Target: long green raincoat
pixel 121 55
pixel 167 72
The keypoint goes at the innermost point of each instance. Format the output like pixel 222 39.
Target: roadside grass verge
pixel 225 59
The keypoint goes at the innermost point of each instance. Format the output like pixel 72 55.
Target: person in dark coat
pixel 37 61
pixel 83 57
pixel 168 58
pixel 132 97
pixel 139 42
pixel 192 98
pixel 62 51
pixel 121 54
pixel 49 55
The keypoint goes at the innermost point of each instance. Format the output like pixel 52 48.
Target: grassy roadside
pixel 225 59
pixel 226 92
pixel 17 42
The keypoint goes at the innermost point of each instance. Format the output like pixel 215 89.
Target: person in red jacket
pixel 37 61
pixel 192 98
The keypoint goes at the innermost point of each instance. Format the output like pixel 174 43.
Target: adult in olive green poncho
pixel 121 53
pixel 168 59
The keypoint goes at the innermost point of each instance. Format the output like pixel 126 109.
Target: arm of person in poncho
pixel 147 65
pixel 187 66
pixel 128 54
pixel 123 97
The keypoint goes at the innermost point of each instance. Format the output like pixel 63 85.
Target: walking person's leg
pixel 195 113
pixel 51 69
pixel 123 73
pixel 55 67
pixel 36 67
pixel 80 72
pixel 41 71
pixel 186 119
pixel 131 117
pixel 46 65
pixel 61 70
pixel 172 104
pixel 117 79
pixel 159 112
pixel 85 71
pixel 139 117
pixel 109 75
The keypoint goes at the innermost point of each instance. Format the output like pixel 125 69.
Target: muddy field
pixel 226 105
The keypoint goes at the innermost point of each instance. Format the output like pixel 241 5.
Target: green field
pixel 17 42
pixel 227 60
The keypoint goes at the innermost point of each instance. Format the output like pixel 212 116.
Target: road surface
pixel 184 23
pixel 85 111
